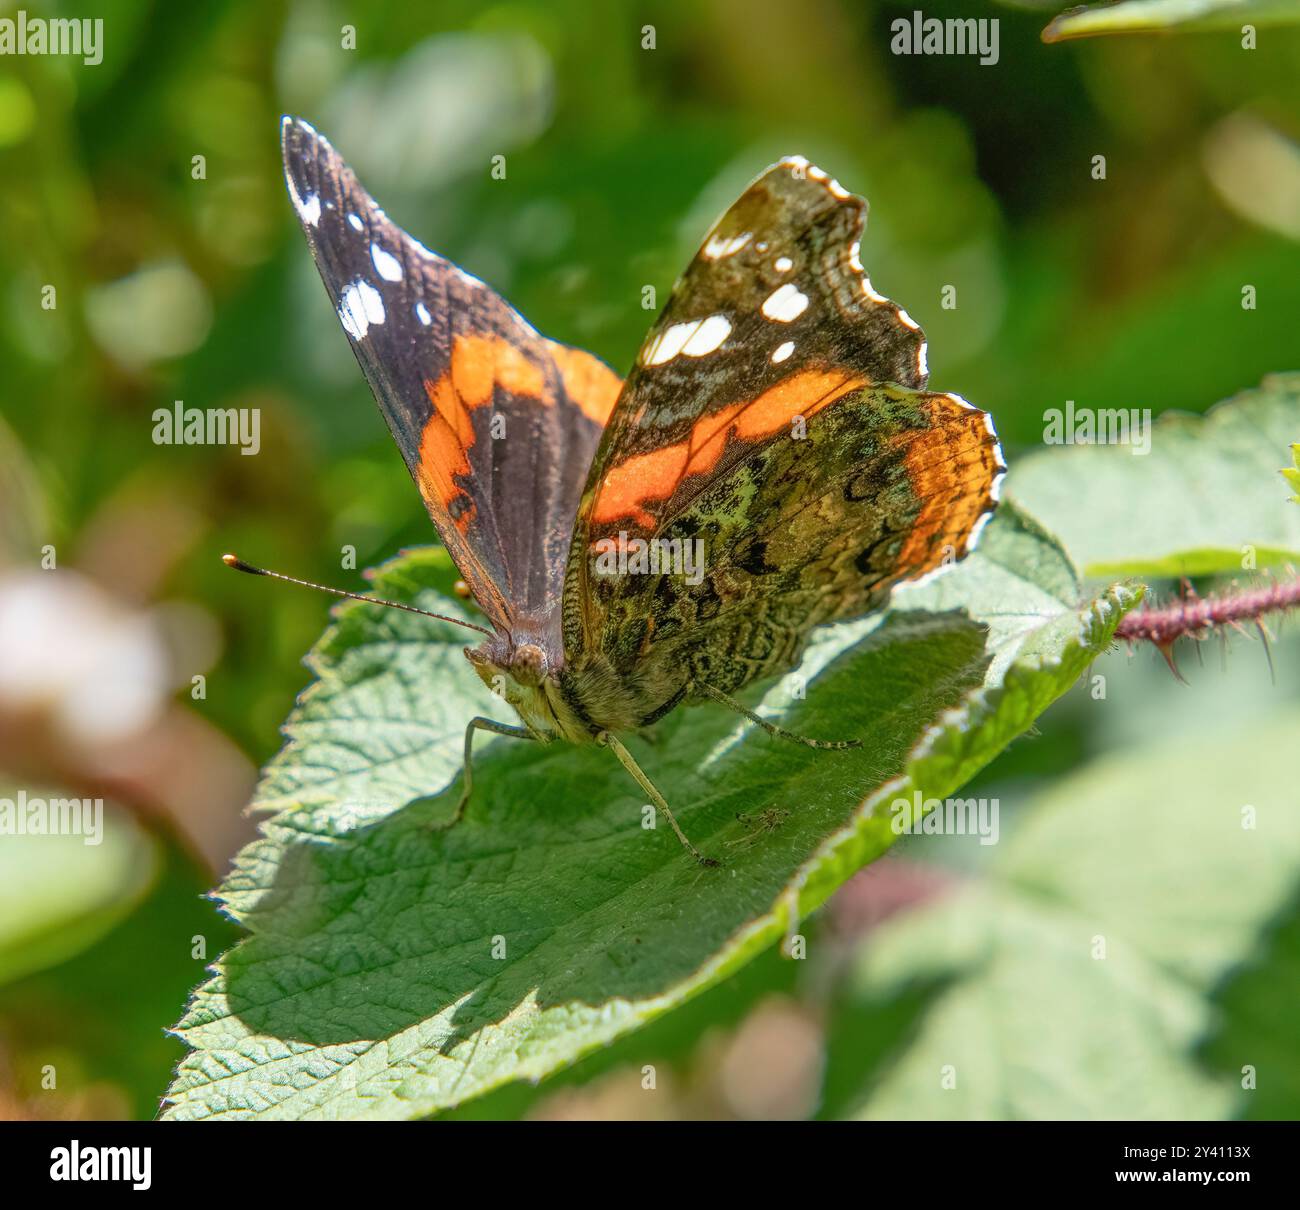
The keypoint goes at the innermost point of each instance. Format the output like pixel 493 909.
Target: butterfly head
pixel 519 672
pixel 510 657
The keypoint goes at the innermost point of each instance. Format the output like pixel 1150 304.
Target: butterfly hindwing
pixel 497 424
pixel 884 486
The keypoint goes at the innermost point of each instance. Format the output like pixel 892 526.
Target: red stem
pixel 1194 616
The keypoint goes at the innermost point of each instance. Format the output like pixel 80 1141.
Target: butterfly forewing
pixel 497 424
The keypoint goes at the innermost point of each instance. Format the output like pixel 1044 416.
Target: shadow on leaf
pixel 550 893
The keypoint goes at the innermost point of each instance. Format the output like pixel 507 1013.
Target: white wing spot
pixel 308 208
pixel 668 343
pixel 720 246
pixel 782 351
pixel 783 264
pixel 922 365
pixel 695 339
pixel 422 314
pixel 907 321
pixel 360 306
pixel 386 264
pixel 355 222
pixel 785 303
pixel 708 336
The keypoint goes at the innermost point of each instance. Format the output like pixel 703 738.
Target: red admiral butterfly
pixel 772 461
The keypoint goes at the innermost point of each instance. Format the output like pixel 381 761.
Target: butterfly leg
pixel 627 761
pixel 479 724
pixel 771 728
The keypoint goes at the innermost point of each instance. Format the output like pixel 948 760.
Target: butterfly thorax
pixel 554 701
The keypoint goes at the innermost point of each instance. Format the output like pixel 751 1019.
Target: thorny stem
pixel 1199 617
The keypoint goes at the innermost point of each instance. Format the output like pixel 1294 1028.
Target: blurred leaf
pixel 1148 854
pixel 1160 16
pixel 1257 1006
pixel 24 521
pixel 96 1015
pixel 370 987
pixel 1206 490
pixel 59 893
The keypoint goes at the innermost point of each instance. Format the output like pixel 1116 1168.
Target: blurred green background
pixel 174 285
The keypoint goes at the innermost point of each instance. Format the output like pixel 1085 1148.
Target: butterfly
pixel 772 462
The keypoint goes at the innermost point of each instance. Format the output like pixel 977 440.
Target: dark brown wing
pixel 497 424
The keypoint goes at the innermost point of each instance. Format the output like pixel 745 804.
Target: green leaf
pixel 394 970
pixel 1147 854
pixel 388 710
pixel 1205 492
pixel 1160 16
pixel 60 893
pixel 671 1043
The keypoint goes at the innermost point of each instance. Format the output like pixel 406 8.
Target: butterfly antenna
pixel 239 565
